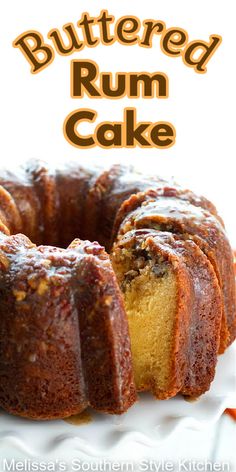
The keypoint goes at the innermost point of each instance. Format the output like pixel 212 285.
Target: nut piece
pixel 32 357
pixel 46 263
pixel 108 300
pixel 42 287
pixel 4 261
pixel 19 295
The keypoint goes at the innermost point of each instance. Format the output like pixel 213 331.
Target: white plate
pixel 146 424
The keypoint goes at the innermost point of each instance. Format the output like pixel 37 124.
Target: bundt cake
pixel 81 328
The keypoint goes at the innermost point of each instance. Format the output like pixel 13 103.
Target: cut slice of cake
pixel 174 308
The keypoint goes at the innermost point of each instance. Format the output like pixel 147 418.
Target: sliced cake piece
pixel 174 308
pixel 178 216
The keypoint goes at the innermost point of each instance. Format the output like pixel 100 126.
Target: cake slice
pixel 179 216
pixel 174 308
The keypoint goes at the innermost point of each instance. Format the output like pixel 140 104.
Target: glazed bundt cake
pixel 79 328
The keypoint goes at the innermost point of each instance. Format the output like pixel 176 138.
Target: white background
pixel 200 106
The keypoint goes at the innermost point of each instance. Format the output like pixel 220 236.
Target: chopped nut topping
pixel 46 263
pixel 160 270
pixel 108 300
pixel 19 295
pixel 32 283
pixel 4 261
pixel 42 287
pixel 32 357
pixel 129 276
pixel 44 346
